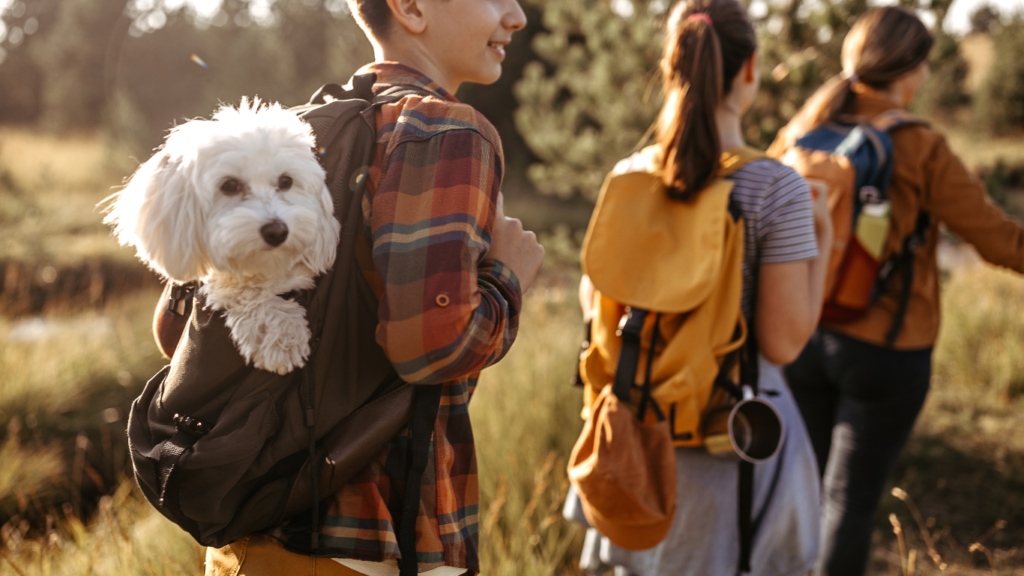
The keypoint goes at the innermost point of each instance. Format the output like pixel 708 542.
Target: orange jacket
pixel 927 175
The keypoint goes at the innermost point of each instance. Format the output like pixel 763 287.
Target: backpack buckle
pixel 177 304
pixel 190 425
pixel 870 195
pixel 631 324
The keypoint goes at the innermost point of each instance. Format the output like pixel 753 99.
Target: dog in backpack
pixel 239 204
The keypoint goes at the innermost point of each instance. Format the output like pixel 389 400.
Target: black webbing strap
pixel 746 510
pixel 308 397
pixel 189 432
pixel 428 399
pixel 648 400
pixel 630 327
pixel 907 258
pixel 749 376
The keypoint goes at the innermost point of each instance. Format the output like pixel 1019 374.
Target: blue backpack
pixel 852 163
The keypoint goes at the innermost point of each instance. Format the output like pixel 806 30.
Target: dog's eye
pixel 231 187
pixel 284 183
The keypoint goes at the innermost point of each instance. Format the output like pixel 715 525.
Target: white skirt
pixel 704 537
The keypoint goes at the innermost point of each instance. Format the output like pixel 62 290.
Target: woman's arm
pixel 954 196
pixel 790 295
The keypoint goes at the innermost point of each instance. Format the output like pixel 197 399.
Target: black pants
pixel 859 402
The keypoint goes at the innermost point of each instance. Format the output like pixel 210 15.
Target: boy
pixel 449 270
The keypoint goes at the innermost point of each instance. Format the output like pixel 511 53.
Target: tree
pixel 594 93
pixel 21 80
pixel 984 20
pixel 73 58
pixel 591 97
pixel 999 107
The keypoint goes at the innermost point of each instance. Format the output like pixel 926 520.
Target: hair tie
pixel 700 16
pixel 851 76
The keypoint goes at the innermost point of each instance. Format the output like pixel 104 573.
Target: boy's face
pixel 467 38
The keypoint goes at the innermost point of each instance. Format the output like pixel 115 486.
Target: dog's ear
pixel 161 215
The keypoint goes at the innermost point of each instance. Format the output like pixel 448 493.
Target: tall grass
pixel 50 365
pixel 48 195
pixel 66 379
pixel 126 538
pixel 957 491
pixel 981 347
pixel 526 417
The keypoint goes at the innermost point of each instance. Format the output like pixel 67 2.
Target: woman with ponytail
pixel 711 78
pixel 859 394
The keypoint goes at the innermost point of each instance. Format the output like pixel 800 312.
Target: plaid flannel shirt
pixel 445 314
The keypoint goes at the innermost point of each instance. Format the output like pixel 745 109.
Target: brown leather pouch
pixel 340 459
pixel 171 317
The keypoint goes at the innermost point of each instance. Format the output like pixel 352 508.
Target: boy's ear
pixel 409 14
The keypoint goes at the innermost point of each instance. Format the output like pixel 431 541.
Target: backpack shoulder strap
pixel 735 159
pixel 896 118
pixel 396 93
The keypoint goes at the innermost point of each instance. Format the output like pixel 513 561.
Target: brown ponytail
pixel 883 45
pixel 706 43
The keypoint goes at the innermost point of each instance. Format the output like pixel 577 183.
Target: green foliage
pixel 593 95
pixel 74 65
pixel 945 91
pixel 984 19
pixel 982 332
pixel 595 91
pixel 526 417
pixel 999 107
pixel 995 182
pixel 125 65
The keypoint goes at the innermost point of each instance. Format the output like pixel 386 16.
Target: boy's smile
pixel 498 48
pixel 453 41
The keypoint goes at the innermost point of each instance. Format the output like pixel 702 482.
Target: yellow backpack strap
pixel 737 158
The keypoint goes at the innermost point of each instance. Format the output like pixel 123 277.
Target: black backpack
pixel 225 450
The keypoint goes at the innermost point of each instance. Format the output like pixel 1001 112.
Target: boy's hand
pixel 514 247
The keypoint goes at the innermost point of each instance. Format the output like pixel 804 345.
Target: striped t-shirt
pixel 776 206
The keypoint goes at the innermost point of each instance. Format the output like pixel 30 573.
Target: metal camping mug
pixel 751 429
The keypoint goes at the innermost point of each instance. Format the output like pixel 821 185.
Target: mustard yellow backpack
pixel 672 266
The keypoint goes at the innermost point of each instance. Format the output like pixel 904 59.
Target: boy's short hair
pixel 374 15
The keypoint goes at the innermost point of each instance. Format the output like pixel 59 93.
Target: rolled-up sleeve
pixel 446 312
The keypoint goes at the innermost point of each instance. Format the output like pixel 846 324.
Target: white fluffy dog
pixel 238 203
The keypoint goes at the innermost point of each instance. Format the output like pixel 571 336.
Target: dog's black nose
pixel 275 232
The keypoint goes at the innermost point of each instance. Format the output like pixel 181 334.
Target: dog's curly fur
pixel 213 204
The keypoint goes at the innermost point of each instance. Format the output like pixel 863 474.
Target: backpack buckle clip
pixel 190 425
pixel 631 324
pixel 177 304
pixel 870 195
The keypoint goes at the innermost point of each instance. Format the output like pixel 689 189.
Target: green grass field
pixel 71 361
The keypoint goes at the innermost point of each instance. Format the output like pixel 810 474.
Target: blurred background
pixel 89 87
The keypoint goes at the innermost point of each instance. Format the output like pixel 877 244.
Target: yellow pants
pixel 262 556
